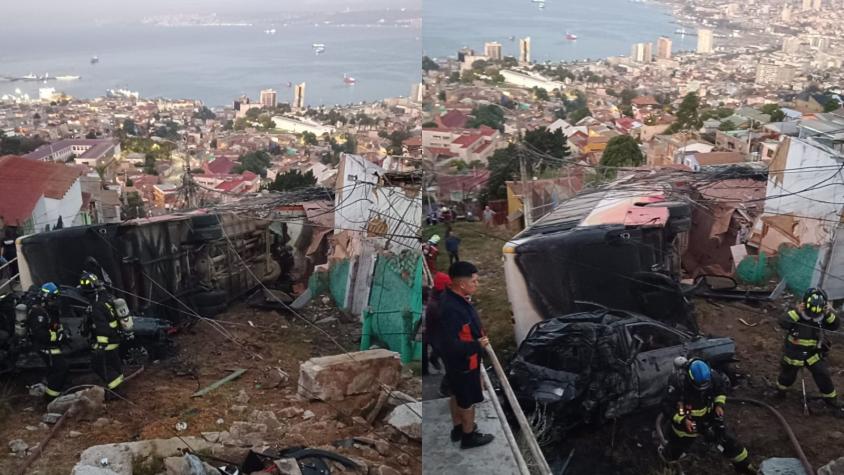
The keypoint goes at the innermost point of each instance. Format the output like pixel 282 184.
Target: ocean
pixel 217 64
pixel 604 27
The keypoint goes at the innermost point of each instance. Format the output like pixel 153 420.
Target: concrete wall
pixel 356 181
pixel 48 210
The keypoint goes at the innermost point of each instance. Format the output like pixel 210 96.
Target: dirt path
pixel 161 396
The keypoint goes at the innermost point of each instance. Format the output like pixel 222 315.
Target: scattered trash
pixel 308 415
pixel 743 321
pixel 181 426
pixel 234 375
pixel 18 445
pixel 250 323
pixel 37 390
pixel 103 462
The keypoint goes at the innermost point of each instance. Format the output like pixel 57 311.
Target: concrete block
pixel 333 378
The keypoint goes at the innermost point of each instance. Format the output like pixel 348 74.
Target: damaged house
pixel 374 269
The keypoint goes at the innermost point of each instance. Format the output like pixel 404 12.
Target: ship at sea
pixel 95 60
pixel 67 78
pixel 571 36
pixel 319 48
pixel 349 80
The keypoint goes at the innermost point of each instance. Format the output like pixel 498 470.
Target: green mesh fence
pixel 338 282
pixel 755 270
pixel 395 303
pixel 797 265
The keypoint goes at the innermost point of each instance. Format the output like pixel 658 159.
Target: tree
pixel 540 94
pixel 255 162
pixel 309 138
pixel 204 113
pixel 503 166
pixel 91 135
pixel 479 65
pixel 129 127
pixel 229 125
pixel 578 115
pixel 489 115
pixel 688 115
pixel 831 105
pixel 429 125
pixel 428 64
pixel 549 143
pixel 621 151
pixel 133 206
pixel 18 145
pixel 441 96
pixel 773 110
pixel 397 138
pixel 627 95
pixel 454 77
pixel 468 77
pixel 149 164
pixel 727 126
pixel 213 144
pixel 292 180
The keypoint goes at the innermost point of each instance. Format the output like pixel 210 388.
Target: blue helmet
pixel 700 374
pixel 49 289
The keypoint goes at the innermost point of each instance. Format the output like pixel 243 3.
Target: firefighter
pixel 695 404
pixel 104 328
pixel 47 334
pixel 805 345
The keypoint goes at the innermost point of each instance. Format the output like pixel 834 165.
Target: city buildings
pixel 299 97
pixel 91 152
pixel 663 47
pixel 524 50
pixel 704 41
pixel 492 50
pixel 642 52
pixel 269 98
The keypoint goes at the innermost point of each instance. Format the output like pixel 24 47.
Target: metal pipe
pixel 544 469
pixel 8 263
pixel 10 281
pixel 508 432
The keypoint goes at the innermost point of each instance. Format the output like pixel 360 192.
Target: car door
pixel 654 362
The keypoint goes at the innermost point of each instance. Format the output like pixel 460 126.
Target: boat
pixel 30 77
pixel 95 60
pixel 571 36
pixel 512 38
pixel 271 31
pixel 319 45
pixel 289 84
pixel 67 78
pixel 349 80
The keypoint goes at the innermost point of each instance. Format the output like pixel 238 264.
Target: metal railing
pixel 4 282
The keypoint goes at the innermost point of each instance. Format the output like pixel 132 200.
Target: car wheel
pixel 210 298
pixel 729 371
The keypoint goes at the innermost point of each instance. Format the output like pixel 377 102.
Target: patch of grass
pixel 482 247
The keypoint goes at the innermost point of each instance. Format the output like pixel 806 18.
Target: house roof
pixel 221 165
pixel 23 182
pixel 719 158
pixel 453 119
pixel 642 101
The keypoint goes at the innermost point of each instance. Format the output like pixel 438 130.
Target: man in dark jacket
pixel 695 403
pixel 805 345
pixel 463 339
pixel 452 245
pixel 104 325
pixel 432 327
pixel 47 334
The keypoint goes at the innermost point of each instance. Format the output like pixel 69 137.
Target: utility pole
pixel 527 205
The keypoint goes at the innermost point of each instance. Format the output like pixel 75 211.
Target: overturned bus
pixel 168 266
pixel 618 249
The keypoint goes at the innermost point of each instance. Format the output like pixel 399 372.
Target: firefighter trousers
pixel 57 369
pixel 108 366
pixel 817 366
pixel 679 443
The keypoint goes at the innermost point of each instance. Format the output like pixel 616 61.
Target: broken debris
pixel 234 375
pixel 333 378
pixel 407 418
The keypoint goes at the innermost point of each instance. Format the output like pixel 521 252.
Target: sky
pixel 47 12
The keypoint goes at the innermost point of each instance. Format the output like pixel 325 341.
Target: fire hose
pixel 791 437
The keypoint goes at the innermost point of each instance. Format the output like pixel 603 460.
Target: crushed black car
pixel 603 364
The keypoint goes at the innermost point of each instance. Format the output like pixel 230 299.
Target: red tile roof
pixel 452 119
pixel 23 182
pixel 221 165
pixel 644 101
pixel 466 140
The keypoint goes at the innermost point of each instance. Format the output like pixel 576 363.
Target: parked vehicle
pixel 603 364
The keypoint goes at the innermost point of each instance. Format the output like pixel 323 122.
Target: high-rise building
pixel 642 52
pixel 417 92
pixel 807 5
pixel 524 50
pixel 663 47
pixel 817 5
pixel 493 50
pixel 269 98
pixel 299 96
pixel 786 13
pixel 774 74
pixel 704 41
pixel 791 45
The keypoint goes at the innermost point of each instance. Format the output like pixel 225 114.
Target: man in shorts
pixel 463 339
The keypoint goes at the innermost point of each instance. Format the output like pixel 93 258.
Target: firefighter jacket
pixel 459 331
pixel 45 329
pixel 804 339
pixel 685 401
pixel 104 322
